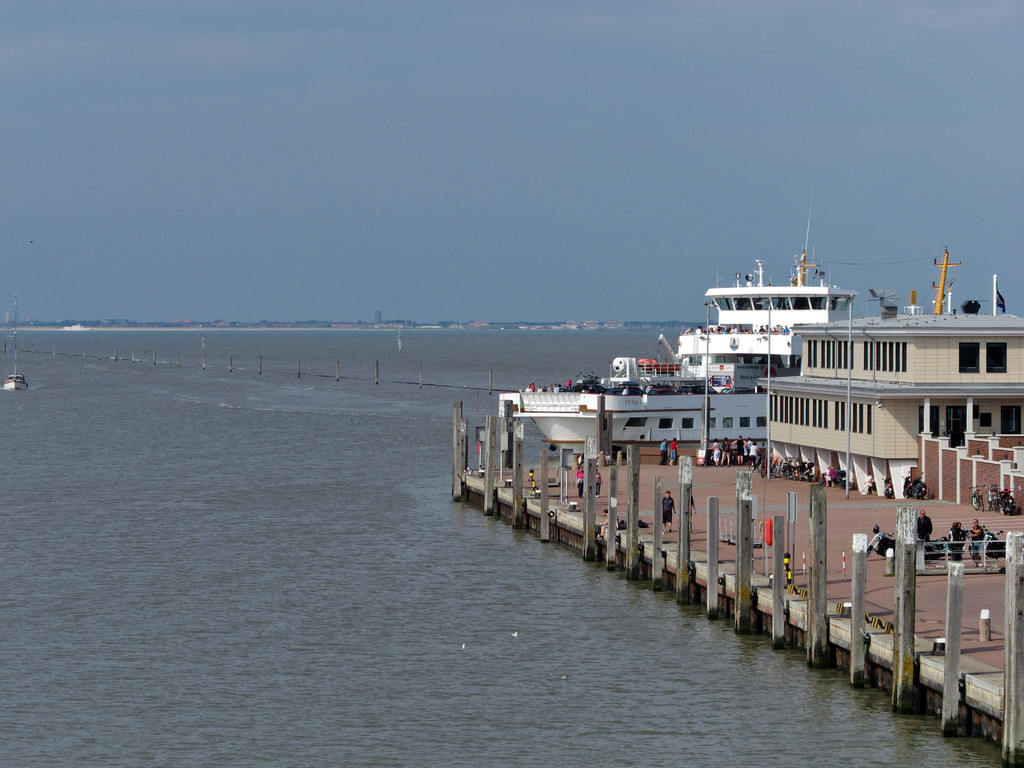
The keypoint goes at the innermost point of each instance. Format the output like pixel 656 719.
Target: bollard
pixel 890 562
pixel 985 625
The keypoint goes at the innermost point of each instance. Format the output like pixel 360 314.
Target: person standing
pixel 597 482
pixel 924 526
pixel 977 534
pixel 673 451
pixel 668 506
pixel 664 451
pixel 580 477
pixel 716 453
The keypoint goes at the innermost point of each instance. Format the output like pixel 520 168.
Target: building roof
pixel 924 325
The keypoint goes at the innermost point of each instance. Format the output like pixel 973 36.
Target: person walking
pixel 668 506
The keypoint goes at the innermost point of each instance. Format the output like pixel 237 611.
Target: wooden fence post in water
pixel 545 499
pixel 337 368
pixel 518 513
pixel 712 590
pixel 656 558
pixel 490 432
pixel 154 357
pixel 778 583
pixel 632 512
pixel 590 499
pixel 858 583
pixel 817 583
pixel 744 549
pixel 951 670
pixel 611 534
pixel 683 555
pixel 458 450
pixel 1013 653
pixel 903 698
pixel 376 371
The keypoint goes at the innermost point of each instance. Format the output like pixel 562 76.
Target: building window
pixel 687 423
pixel 995 357
pixel 903 349
pixel 1010 420
pixel 970 352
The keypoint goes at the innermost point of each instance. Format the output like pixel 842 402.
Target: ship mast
pixel 940 289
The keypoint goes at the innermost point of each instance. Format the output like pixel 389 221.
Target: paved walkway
pixel 846 516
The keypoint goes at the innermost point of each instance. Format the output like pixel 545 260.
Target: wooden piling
pixel 545 498
pixel 491 436
pixel 518 510
pixel 778 583
pixel 337 368
pixel 154 357
pixel 611 535
pixel 1013 682
pixel 951 669
pixel 656 558
pixel 231 363
pixel 858 585
pixel 459 429
pixel 904 698
pixel 490 381
pixel 589 499
pixel 632 512
pixel 298 369
pixel 712 586
pixel 376 372
pixel 177 359
pixel 817 582
pixel 421 375
pixel 684 558
pixel 744 549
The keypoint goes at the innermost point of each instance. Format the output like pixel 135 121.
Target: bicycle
pixel 976 501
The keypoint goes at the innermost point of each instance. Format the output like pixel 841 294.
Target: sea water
pixel 221 567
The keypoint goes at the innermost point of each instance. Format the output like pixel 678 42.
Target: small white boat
pixel 16 380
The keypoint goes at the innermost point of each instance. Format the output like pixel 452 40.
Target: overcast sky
pixel 492 160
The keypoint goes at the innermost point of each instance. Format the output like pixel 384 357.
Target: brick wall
pixel 977 447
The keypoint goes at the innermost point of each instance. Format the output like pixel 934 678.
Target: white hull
pixel 16 381
pixel 566 419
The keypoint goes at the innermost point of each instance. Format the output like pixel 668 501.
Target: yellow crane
pixel 940 289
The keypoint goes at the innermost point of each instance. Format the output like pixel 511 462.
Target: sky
pixel 490 160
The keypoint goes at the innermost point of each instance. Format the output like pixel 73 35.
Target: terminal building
pixel 931 396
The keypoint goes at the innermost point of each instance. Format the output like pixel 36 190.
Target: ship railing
pixel 566 402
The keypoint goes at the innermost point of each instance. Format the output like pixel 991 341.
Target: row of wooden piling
pixel 746 605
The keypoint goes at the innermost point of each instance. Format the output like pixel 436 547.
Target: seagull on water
pixel 563 677
pixel 515 634
pixel 463 646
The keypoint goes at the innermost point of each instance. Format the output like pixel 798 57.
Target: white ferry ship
pixel 712 384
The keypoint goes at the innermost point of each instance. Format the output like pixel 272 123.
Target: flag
pixel 999 302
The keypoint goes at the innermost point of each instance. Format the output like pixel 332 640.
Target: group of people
pixel 968 539
pixel 550 388
pixel 669 451
pixel 739 451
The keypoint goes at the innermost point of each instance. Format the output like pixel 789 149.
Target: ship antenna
pixel 810 208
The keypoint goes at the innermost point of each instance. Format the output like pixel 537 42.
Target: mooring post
pixel 177 359
pixel 684 558
pixel 858 583
pixel 632 512
pixel 656 558
pixel 744 549
pixel 778 583
pixel 231 363
pixel 985 625
pixel 490 381
pixel 712 587
pixel 337 368
pixel 1013 653
pixel 903 699
pixel 298 370
pixel 518 513
pixel 458 432
pixel 261 365
pixel 545 498
pixel 611 534
pixel 817 581
pixel 154 357
pixel 376 372
pixel 951 670
pixel 590 499
pixel 490 431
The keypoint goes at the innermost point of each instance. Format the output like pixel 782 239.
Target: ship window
pixel 744 422
pixel 761 302
pixel 713 422
pixel 636 421
pixel 817 302
pixel 664 423
pixel 839 303
pixel 724 303
pixel 762 421
pixel 743 302
pixel 801 302
pixel 727 422
pixel 970 351
pixel 995 357
pixel 780 302
pixel 687 423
